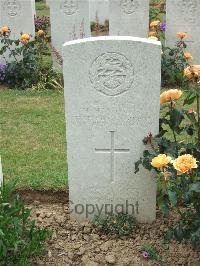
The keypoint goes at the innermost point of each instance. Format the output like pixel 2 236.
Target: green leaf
pixel 172 197
pixel 189 100
pixel 176 117
pixel 195 187
pixel 137 164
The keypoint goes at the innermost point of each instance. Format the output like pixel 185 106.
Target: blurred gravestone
pixel 18 15
pixel 184 15
pixel 129 18
pixel 99 10
pixel 69 21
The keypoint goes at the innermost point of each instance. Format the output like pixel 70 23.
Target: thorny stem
pixel 174 134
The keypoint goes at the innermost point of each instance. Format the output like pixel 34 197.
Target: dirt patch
pixel 43 196
pixel 81 244
pixel 3 87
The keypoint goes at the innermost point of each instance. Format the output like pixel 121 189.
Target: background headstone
pixel 69 21
pixel 47 2
pixel 100 9
pixel 184 15
pixel 18 15
pixel 129 18
pixel 33 7
pixel 112 88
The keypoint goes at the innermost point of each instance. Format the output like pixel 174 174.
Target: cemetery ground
pixel 33 130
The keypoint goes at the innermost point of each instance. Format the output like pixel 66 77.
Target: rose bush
pixel 174 60
pixel 25 67
pixel 175 157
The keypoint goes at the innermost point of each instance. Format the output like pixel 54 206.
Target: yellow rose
pixel 160 161
pixel 25 38
pixel 188 56
pixel 184 163
pixel 40 33
pixel 152 34
pixel 192 71
pixel 170 95
pixel 181 35
pixel 154 23
pixel 4 29
pixel 153 38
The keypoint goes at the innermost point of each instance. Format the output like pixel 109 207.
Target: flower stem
pixel 174 134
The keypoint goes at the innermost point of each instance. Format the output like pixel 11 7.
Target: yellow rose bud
pixel 153 38
pixel 25 38
pixel 154 23
pixel 185 163
pixel 170 95
pixel 40 33
pixel 192 71
pixel 152 34
pixel 4 29
pixel 160 161
pixel 181 35
pixel 188 56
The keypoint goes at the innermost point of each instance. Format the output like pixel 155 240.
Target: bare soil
pixel 82 244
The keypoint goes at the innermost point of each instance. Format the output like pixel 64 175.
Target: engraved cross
pixel 112 151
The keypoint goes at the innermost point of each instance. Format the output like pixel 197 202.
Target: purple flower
pixel 145 255
pixel 2 72
pixel 163 26
pixel 42 23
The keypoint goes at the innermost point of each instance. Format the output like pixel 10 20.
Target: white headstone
pixel 1 172
pixel 184 15
pixel 18 15
pixel 33 7
pixel 69 21
pixel 99 9
pixel 129 18
pixel 112 88
pixel 47 2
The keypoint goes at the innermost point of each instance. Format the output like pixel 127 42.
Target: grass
pixel 42 9
pixel 33 146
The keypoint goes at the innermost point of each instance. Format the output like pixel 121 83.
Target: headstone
pixel 69 21
pixel 33 7
pixel 18 15
pixel 184 15
pixel 47 2
pixel 99 9
pixel 1 173
pixel 112 88
pixel 129 18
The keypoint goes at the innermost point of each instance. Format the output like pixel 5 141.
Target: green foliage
pixel 26 66
pixel 157 10
pixel 116 224
pixel 23 67
pixel 173 64
pixel 49 80
pixel 152 253
pixel 178 191
pixel 20 239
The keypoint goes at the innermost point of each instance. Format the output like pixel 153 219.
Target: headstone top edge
pixel 112 38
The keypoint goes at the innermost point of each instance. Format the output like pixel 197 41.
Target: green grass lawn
pixel 33 146
pixel 42 9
